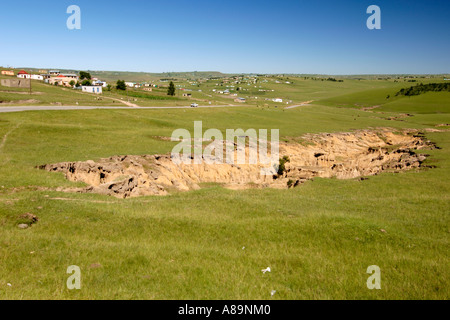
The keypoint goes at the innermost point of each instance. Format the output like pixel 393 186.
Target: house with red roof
pixel 62 80
pixel 23 74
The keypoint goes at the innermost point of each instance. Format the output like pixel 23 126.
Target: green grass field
pixel 318 239
pixel 352 92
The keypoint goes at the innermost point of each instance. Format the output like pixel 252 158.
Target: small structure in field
pixel 7 73
pixel 37 77
pixel 15 83
pixel 92 89
pixel 99 83
pixel 23 75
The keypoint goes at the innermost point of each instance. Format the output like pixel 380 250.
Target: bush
pixel 282 165
pixel 422 88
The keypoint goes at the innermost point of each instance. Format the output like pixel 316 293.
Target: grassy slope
pixel 189 245
pixel 44 94
pixel 350 93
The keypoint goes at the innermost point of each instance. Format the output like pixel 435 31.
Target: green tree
pixel 121 85
pixel 85 75
pixel 72 83
pixel 171 90
pixel 86 82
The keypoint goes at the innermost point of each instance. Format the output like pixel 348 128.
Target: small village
pixel 55 77
pixel 228 88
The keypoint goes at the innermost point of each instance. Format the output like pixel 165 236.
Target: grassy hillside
pixel 258 91
pixel 45 94
pixel 318 239
pixel 431 102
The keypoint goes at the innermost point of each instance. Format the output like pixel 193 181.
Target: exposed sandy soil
pixel 340 155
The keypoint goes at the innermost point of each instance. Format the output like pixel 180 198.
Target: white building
pixel 23 75
pixel 99 83
pixel 278 100
pixel 130 84
pixel 92 89
pixel 37 77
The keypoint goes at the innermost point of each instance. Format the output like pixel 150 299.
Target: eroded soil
pixel 340 155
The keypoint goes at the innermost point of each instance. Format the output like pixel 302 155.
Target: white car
pixel 194 105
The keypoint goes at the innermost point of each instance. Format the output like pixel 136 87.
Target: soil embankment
pixel 339 155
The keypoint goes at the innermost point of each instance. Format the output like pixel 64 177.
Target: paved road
pixel 40 108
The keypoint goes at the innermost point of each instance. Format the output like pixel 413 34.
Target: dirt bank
pixel 339 155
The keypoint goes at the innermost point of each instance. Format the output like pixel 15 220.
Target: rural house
pixel 99 83
pixel 7 73
pixel 70 75
pixel 23 74
pixel 37 77
pixel 92 89
pixel 61 80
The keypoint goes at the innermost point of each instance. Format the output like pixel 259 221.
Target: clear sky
pixel 233 36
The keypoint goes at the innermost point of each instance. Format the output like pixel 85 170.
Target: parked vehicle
pixel 194 105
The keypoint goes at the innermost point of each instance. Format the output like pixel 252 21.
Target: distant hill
pixel 113 76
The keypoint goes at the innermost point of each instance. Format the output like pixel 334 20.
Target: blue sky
pixel 234 36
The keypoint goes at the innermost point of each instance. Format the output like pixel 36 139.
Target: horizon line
pixel 241 73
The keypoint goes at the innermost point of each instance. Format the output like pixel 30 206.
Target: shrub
pixel 282 166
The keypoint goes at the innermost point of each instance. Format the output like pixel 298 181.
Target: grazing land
pixel 212 243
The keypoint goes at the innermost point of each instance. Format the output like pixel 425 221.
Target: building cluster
pixel 145 85
pixel 55 77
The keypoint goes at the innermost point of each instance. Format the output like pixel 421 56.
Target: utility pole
pixel 30 84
